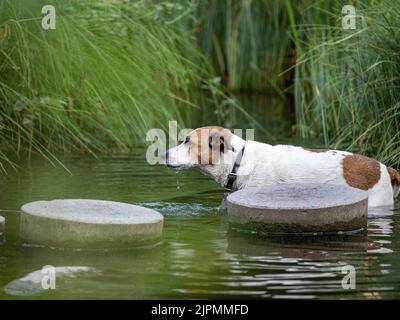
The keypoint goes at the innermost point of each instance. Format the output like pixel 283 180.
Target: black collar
pixel 233 174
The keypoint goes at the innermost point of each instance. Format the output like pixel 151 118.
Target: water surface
pixel 199 256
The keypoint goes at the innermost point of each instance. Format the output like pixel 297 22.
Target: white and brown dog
pixel 237 164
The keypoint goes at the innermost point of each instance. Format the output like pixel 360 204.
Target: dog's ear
pixel 216 140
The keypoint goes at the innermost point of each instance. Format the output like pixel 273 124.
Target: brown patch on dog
pixel 394 176
pixel 361 172
pixel 199 148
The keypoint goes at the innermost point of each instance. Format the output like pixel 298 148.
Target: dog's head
pixel 203 147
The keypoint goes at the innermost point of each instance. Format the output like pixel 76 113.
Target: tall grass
pixel 348 84
pixel 113 69
pixel 244 40
pixel 110 71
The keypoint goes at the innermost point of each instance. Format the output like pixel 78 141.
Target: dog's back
pixel 291 164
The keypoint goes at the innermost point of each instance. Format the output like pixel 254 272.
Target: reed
pixel 110 71
pixel 114 69
pixel 244 41
pixel 347 85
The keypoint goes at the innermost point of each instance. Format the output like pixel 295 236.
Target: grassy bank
pixel 108 73
pixel 113 69
pixel 347 83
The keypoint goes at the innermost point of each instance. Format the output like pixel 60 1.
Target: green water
pixel 199 257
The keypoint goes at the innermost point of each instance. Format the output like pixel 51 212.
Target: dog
pixel 237 164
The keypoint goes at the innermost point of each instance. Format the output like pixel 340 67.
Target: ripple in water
pixel 179 209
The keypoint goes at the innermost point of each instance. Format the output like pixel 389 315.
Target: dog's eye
pixel 187 139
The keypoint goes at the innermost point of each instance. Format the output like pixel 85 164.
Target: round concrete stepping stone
pixel 79 222
pixel 299 208
pixel 2 224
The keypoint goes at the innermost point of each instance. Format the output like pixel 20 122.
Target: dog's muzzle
pixel 165 157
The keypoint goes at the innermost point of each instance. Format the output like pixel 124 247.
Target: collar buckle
pixel 232 175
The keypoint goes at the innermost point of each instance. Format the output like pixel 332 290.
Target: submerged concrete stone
pixel 80 222
pixel 299 208
pixel 32 283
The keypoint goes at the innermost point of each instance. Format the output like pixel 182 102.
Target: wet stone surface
pixel 299 208
pixel 68 223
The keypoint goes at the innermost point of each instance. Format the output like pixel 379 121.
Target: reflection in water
pixel 296 267
pixel 199 257
pixel 380 226
pixel 290 267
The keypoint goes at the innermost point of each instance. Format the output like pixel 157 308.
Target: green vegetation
pixel 108 73
pixel 115 68
pixel 246 42
pixel 348 85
